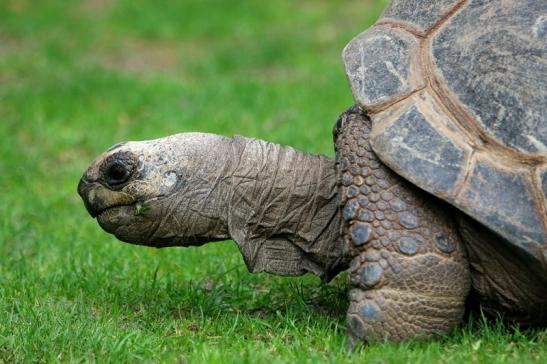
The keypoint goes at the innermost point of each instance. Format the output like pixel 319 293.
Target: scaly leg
pixel 410 272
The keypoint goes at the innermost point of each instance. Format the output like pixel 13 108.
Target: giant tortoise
pixel 436 197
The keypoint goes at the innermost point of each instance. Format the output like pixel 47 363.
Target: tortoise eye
pixel 117 173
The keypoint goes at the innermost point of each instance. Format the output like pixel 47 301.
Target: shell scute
pixel 378 66
pixel 416 150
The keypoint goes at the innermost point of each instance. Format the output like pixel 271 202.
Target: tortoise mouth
pixel 110 209
pixel 127 210
pixel 98 198
pixel 133 223
pixel 114 217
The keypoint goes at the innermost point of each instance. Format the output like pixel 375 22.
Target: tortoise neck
pixel 283 210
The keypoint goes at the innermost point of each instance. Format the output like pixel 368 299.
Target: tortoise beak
pixel 84 188
pixel 98 198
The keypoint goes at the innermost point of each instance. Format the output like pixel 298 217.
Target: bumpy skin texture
pixel 410 274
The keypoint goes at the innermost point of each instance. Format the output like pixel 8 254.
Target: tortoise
pixel 436 197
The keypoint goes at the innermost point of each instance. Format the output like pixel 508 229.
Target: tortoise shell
pixel 457 93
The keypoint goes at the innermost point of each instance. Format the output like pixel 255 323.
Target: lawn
pixel 79 76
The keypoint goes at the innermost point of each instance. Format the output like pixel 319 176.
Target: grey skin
pixel 436 197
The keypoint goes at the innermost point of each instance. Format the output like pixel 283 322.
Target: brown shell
pixel 457 94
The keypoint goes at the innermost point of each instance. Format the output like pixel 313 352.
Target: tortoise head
pixel 161 192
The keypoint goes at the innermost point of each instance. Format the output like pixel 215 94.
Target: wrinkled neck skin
pixel 278 204
pixel 283 210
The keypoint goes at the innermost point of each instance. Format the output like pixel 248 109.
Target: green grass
pixel 79 76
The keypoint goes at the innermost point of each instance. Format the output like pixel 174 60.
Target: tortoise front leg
pixel 406 290
pixel 409 272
